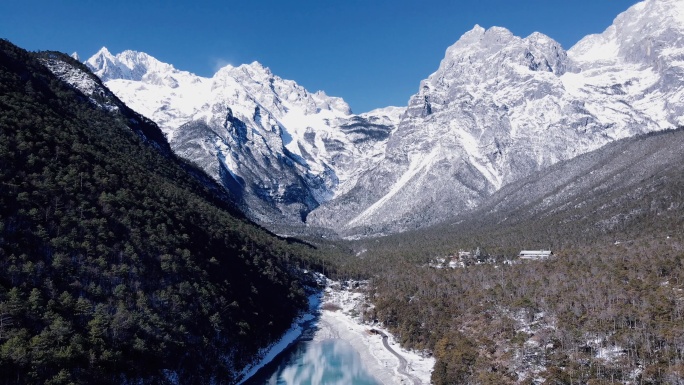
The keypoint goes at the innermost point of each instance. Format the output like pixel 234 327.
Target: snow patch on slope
pixel 417 163
pixel 471 145
pixel 80 80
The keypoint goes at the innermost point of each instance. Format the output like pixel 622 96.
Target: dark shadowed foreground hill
pixel 116 265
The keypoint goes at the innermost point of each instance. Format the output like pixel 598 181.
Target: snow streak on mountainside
pixel 83 81
pixel 282 149
pixel 500 107
pixel 74 73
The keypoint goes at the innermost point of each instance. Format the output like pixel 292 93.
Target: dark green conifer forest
pixel 116 265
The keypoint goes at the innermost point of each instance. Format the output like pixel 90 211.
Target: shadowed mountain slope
pixel 117 265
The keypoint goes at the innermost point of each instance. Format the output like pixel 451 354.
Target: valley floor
pixel 340 318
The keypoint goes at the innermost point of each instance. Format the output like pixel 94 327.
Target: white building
pixel 535 254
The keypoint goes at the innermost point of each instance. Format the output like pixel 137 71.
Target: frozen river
pixel 331 361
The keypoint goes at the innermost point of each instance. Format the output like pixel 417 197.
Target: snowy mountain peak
pixel 483 61
pixel 477 29
pixel 129 65
pixel 640 35
pixel 102 62
pixel 474 34
pixel 103 52
pixel 480 39
pixel 255 69
pixel 500 46
pixel 540 39
pixel 500 107
pixel 257 66
pixel 275 93
pixel 253 72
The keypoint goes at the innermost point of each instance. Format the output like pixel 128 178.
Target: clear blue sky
pixel 373 53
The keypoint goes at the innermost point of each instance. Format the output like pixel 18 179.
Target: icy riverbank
pixel 335 314
pixel 341 306
pixel 290 337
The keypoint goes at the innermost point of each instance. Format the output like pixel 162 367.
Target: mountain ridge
pixel 281 148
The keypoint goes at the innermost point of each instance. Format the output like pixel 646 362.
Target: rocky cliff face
pixel 500 107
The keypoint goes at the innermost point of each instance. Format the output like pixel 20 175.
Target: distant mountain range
pixel 498 108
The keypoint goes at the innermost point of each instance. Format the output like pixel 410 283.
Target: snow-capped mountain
pixel 638 61
pixel 281 148
pixel 500 107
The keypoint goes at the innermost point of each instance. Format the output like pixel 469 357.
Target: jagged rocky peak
pixel 490 39
pixel 131 65
pixel 489 59
pixel 640 35
pixel 499 46
pixel 260 82
pixel 254 72
pixel 545 54
pixel 276 93
pixel 103 64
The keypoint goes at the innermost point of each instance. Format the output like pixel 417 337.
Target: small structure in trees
pixel 535 254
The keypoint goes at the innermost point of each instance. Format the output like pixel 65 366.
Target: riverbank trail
pixel 402 361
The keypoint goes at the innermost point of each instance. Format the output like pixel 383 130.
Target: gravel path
pixel 402 361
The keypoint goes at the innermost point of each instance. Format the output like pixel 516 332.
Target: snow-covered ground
pixel 290 337
pixel 345 323
pixel 339 309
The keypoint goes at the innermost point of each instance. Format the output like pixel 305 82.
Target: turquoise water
pixel 330 362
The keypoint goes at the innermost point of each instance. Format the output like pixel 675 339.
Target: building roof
pixel 535 253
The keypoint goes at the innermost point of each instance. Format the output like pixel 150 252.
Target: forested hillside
pixel 608 307
pixel 116 265
pixel 614 315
